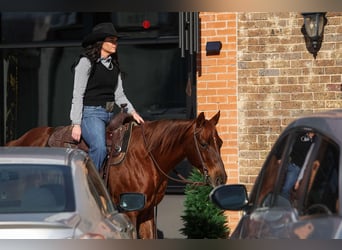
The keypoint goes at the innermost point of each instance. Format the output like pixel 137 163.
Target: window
pixel 319 185
pixel 35 189
pixel 267 179
pixel 36 66
pixel 300 172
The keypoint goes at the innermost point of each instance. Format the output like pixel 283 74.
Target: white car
pixel 56 193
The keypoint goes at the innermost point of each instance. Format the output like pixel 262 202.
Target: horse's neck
pixel 168 141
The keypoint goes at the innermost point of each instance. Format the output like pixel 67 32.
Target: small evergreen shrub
pixel 201 218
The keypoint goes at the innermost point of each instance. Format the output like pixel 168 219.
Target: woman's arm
pixel 80 84
pixel 120 98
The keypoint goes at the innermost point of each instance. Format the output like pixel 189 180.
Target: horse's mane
pixel 164 134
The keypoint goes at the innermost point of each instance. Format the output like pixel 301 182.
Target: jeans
pixel 291 177
pixel 93 125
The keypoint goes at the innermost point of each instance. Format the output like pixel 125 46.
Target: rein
pixel 182 179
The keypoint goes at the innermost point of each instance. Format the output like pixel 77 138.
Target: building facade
pixel 262 79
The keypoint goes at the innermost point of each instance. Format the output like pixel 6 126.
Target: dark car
pixel 56 193
pixel 297 192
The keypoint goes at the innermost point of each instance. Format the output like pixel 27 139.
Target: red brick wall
pixel 279 80
pixel 217 86
pixel 263 78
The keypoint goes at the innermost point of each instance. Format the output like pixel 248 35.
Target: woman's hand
pixel 137 117
pixel 76 132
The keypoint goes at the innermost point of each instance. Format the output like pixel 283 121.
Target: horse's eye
pixel 203 144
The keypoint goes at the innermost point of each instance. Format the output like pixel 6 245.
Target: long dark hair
pixel 93 53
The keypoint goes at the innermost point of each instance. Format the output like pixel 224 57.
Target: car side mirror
pixel 132 201
pixel 230 197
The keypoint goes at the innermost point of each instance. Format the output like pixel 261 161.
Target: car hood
pixel 41 226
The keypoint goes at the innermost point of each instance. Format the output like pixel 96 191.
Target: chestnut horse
pixel 155 148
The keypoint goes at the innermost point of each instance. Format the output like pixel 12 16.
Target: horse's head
pixel 204 152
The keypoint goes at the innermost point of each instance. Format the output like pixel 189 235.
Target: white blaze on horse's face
pixel 208 145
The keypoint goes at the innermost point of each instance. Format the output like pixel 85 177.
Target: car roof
pixel 328 122
pixel 42 155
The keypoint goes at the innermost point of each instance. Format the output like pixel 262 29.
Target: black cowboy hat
pixel 99 33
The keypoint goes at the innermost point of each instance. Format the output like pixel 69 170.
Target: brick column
pixel 217 87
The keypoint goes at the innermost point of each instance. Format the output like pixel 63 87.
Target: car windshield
pixel 32 188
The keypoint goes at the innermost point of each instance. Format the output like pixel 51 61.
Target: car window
pixel 31 188
pixel 98 190
pixel 300 172
pixel 267 178
pixel 316 189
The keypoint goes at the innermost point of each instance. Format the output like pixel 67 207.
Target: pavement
pixel 169 213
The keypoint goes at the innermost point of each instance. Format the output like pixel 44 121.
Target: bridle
pixel 181 179
pixel 204 166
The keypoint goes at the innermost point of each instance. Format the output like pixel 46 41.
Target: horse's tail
pixel 34 137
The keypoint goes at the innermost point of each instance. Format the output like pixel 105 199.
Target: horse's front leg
pixel 133 218
pixel 147 227
pixel 147 230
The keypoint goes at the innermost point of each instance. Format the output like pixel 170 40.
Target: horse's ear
pixel 200 120
pixel 215 118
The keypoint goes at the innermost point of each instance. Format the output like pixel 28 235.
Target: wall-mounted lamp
pixel 313 29
pixel 213 48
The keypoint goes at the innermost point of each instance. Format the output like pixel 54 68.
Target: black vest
pixel 101 86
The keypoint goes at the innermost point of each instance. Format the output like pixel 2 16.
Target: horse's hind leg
pixel 35 137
